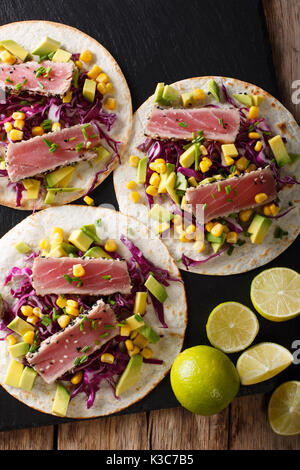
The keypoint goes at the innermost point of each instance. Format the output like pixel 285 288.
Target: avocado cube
pixel 279 151
pixel 57 252
pixel 68 248
pixel 22 248
pixel 96 252
pixel 181 182
pixel 50 196
pixel 212 239
pixel 90 231
pixel 60 177
pixel 169 94
pixel 89 90
pixel 140 302
pixel 32 187
pixel 158 93
pixel 14 373
pixel 80 240
pixel 27 379
pixel 217 245
pixel 142 170
pixel 130 375
pixel 15 49
pixel 160 214
pixel 61 401
pixel 19 349
pixel 46 46
pixel 134 322
pixel 149 333
pixel 187 158
pixel 246 100
pixel 257 100
pixel 61 56
pixel 213 88
pixel 164 177
pixel 20 326
pixel 170 186
pixel 156 289
pixel 103 154
pixel 140 341
pixel 187 99
pixel 259 228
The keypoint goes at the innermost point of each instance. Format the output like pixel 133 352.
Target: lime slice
pixel 284 409
pixel 275 294
pixel 262 361
pixel 231 327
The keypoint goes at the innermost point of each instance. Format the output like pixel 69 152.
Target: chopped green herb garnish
pixel 228 189
pixel 93 325
pixel 97 342
pixel 47 71
pixel 182 124
pixel 197 153
pixel 18 86
pixel 106 276
pixel 279 233
pixel 138 317
pixel 229 200
pixel 40 84
pixel 46 321
pixel 66 276
pixel 85 349
pixel 8 80
pixel 213 196
pixel 93 136
pixel 80 360
pixel 53 148
pixel 230 250
pixel 55 314
pixel 232 169
pixel 109 327
pixel 240 242
pixel 204 206
pixel 104 335
pixel 221 122
pixel 35 344
pixel 247 234
pixel 79 147
pixel 71 139
pixel 219 188
pixel 46 124
pixel 84 133
pixel 24 102
pixel 121 323
pixel 73 279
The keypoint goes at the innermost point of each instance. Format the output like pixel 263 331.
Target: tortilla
pixel 38 226
pixel 28 34
pixel 246 257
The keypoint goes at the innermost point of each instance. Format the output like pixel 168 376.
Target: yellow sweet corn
pixel 63 321
pixel 199 246
pixel 19 123
pixel 125 330
pixel 154 180
pixel 102 78
pixel 18 115
pixel 163 227
pixel 134 161
pixel 56 126
pixel 231 237
pixel 110 103
pixel 183 238
pixel 44 244
pixel 151 190
pixel 217 230
pixel 271 210
pixel 131 184
pixel 61 302
pixel 159 160
pixel 111 245
pixel 8 126
pixel 37 130
pixel 177 219
pixel 242 163
pixel 260 197
pixel 135 197
pixel 101 87
pixel 250 168
pixel 86 56
pixel 74 312
pixel 253 112
pixel 78 270
pixel 77 378
pixel 33 319
pixel 37 312
pixel 57 234
pixel 88 200
pixel 79 64
pixel 133 334
pixel 147 353
pixel 267 211
pixel 135 351
pixel 11 340
pixel 109 87
pixel 203 150
pixel 209 226
pixel 199 94
pixel 192 181
pixel 94 72
pixel 68 97
pixel 72 303
pixel 129 345
pixel 226 229
pixel 190 230
pixel 16 135
pixel 258 146
pixel 204 166
pixel 253 135
pixel 27 310
pixel 8 58
pixel 28 337
pixel 107 358
pixel 160 167
pixel 245 215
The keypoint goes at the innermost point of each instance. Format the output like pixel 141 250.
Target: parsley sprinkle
pixel 228 189
pixel 8 80
pixel 46 321
pixel 79 147
pixel 106 276
pixel 93 325
pixel 53 148
pixel 213 196
pixel 84 133
pixel 67 278
pixel 221 122
pixel 182 124
pixel 97 342
pixel 85 349
pixel 219 188
pixel 71 139
pixel 204 206
pixel 18 86
pixel 46 124
pixel 55 314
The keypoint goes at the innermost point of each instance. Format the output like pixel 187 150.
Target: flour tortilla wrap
pixel 29 34
pixel 248 256
pixel 38 226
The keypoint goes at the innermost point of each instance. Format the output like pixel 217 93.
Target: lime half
pixel 275 294
pixel 231 327
pixel 262 362
pixel 284 409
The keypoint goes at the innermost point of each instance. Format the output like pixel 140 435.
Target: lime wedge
pixel 275 294
pixel 262 361
pixel 284 409
pixel 231 327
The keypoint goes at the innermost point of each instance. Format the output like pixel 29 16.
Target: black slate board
pixel 168 40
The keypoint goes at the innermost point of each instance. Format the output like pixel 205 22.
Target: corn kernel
pixel 253 112
pixel 86 56
pixel 16 135
pixel 274 209
pixel 109 87
pixel 242 163
pixel 192 181
pixel 74 312
pixel 226 229
pixel 28 337
pixel 267 211
pixel 245 215
pixel 11 340
pixel 8 126
pixel 134 334
pixel 217 230
pixel 191 229
pixel 33 319
pixel 129 345
pixel 101 87
pixel 163 227
pixel 79 64
pixel 177 219
pixel 229 161
pixel 37 130
pixel 253 135
pixel 134 161
pixel 107 358
pixel 151 190
pixel 258 146
pixel 63 321
pixel 260 197
pixel 18 115
pixel 179 229
pixel 183 238
pixel 102 78
pixel 231 237
pixel 72 303
pixel 94 72
pixel 57 234
pixel 147 353
pixel 27 310
pixel 78 270
pixel 68 97
pixel 199 246
pixel 159 160
pixel 44 244
pixel 154 180
pixel 209 226
pixel 250 168
pixel 199 94
pixel 110 103
pixel 131 184
pixel 135 197
pixel 77 378
pixel 8 58
pixel 135 351
pixel 110 245
pixel 56 126
pixel 160 167
pixel 37 312
pixel 125 330
pixel 61 302
pixel 204 166
pixel 88 200
pixel 183 203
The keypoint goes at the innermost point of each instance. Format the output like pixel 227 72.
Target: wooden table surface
pixel 243 425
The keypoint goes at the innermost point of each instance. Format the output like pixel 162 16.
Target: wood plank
pixel 177 428
pixel 250 428
pixel 118 432
pixel 283 19
pixel 28 439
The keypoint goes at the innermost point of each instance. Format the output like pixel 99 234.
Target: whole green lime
pixel 204 380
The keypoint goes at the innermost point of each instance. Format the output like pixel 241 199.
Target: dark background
pixel 165 41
